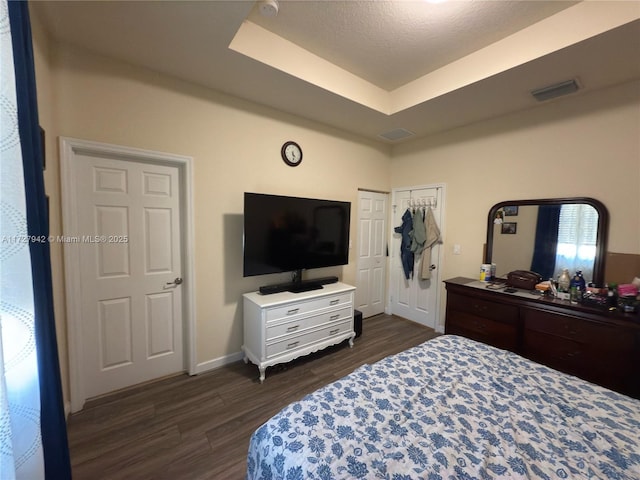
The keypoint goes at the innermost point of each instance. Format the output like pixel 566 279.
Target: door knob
pixel 432 267
pixel 177 281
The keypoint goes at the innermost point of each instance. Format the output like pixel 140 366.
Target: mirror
pixel 548 235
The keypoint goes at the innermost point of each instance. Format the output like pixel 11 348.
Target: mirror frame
pixel 603 228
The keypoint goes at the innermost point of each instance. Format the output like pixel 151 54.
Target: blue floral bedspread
pixel 452 408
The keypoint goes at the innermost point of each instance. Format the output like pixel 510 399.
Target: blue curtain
pixel 544 251
pixel 52 421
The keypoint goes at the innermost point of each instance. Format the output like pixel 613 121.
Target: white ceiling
pixel 367 67
pixel 393 43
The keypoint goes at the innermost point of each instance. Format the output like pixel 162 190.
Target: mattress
pixel 451 408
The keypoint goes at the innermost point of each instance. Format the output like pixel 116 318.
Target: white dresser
pixel 283 326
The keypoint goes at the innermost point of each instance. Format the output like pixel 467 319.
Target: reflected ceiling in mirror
pixel 548 235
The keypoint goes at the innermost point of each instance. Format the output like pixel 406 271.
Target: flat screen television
pixel 291 234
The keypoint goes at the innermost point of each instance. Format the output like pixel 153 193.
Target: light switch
pixel 456 249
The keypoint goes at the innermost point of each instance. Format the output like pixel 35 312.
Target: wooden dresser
pixel 598 346
pixel 285 325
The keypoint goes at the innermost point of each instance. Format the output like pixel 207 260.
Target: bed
pixel 451 408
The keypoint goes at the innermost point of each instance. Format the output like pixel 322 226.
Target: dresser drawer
pixel 299 324
pixel 610 368
pixel 291 310
pixel 598 336
pixel 486 330
pixel 556 352
pixel 296 342
pixel 482 308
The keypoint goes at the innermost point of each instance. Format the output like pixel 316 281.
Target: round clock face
pixel 291 154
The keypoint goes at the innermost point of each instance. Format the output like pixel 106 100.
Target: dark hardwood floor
pixel 199 427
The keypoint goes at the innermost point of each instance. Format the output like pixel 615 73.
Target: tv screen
pixel 285 234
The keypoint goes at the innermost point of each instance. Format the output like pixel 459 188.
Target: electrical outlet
pixel 456 249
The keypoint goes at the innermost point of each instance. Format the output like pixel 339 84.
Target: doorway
pixel 416 297
pixel 127 224
pixel 372 257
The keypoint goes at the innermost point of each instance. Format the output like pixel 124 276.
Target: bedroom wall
pixel 236 147
pixel 43 59
pixel 582 145
pixel 586 145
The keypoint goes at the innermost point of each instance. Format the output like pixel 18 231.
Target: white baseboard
pixel 217 362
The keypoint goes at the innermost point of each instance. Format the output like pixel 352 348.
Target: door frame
pixel 439 326
pixel 68 149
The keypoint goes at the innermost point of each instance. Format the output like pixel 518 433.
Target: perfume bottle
pixel 564 281
pixel 574 295
pixel 612 300
pixel 577 287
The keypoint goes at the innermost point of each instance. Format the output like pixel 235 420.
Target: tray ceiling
pixel 367 67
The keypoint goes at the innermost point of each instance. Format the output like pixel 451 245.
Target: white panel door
pixel 372 261
pixel 129 240
pixel 414 298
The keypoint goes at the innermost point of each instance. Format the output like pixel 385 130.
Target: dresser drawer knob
pixel 292 328
pixel 293 311
pixel 334 331
pixel 334 302
pixel 479 324
pixel 570 330
pixel 292 344
pixel 334 317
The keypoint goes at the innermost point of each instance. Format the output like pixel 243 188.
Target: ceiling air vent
pixel 397 134
pixel 555 90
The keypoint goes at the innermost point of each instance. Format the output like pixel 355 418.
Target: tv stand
pixel 279 328
pixel 299 286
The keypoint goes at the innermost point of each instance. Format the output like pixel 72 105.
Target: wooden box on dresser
pixel 598 346
pixel 283 326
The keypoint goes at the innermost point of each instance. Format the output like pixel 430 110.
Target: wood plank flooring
pixel 199 427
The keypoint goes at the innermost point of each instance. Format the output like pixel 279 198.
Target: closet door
pixel 415 299
pixel 372 260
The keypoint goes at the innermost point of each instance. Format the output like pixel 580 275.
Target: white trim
pixel 217 363
pixel 70 147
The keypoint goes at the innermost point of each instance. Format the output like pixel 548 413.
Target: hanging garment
pixel 432 237
pixel 419 236
pixel 406 255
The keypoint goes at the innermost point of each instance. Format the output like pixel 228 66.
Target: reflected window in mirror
pixel 577 238
pixel 551 234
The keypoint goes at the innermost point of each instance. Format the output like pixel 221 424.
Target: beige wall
pixel 578 146
pixel 584 145
pixel 43 58
pixel 236 148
